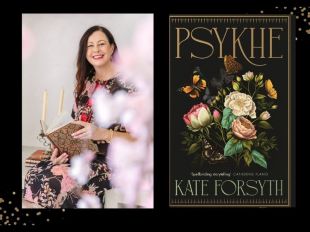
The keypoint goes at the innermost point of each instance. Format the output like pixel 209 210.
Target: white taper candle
pixel 44 107
pixel 61 101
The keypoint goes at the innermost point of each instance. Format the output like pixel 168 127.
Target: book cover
pixel 59 134
pixel 231 81
pixel 36 157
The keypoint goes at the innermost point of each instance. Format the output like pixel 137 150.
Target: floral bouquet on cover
pixel 233 123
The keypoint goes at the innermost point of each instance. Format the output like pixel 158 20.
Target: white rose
pixel 265 115
pixel 241 104
pixel 248 76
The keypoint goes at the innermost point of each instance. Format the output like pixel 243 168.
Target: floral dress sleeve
pixel 83 109
pixel 112 86
pixel 74 110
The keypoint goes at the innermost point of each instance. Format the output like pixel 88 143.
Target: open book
pixel 59 133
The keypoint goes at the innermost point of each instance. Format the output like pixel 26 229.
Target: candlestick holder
pixel 43 139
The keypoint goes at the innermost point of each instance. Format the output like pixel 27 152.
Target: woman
pixel 48 183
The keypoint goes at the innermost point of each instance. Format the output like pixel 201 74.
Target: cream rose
pixel 265 115
pixel 248 76
pixel 241 104
pixel 243 128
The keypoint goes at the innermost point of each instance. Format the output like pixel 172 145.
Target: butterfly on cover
pixel 212 154
pixel 198 85
pixel 231 65
pixel 226 75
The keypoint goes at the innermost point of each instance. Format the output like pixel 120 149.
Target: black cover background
pixel 10 162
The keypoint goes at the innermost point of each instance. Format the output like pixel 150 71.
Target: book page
pixel 61 120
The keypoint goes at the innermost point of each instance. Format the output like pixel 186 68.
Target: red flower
pixel 84 117
pixel 98 86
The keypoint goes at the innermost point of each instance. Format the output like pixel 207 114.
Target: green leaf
pixel 234 140
pixel 193 148
pixel 192 129
pixel 247 144
pixel 247 157
pixel 264 125
pixel 259 96
pixel 232 148
pixel 229 134
pixel 228 118
pixel 259 159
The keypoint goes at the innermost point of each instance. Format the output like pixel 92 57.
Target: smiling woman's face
pixel 99 50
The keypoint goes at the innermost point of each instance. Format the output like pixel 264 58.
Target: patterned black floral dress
pixel 50 185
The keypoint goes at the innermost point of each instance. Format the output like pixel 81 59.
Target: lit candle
pixel 61 101
pixel 44 108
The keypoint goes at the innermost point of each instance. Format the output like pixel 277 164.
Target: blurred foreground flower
pixel 132 166
pixel 132 162
pixel 80 167
pixel 89 201
pixel 28 42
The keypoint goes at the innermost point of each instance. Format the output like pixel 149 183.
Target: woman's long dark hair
pixel 84 68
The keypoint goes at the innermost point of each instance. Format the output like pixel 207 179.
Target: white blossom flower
pixel 132 162
pixel 80 167
pixel 265 115
pixel 248 76
pixel 89 201
pixel 241 104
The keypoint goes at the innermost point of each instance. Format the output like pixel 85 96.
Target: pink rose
pixel 216 116
pixel 243 128
pixel 199 116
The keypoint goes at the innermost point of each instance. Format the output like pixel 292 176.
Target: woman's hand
pixel 90 131
pixel 63 158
